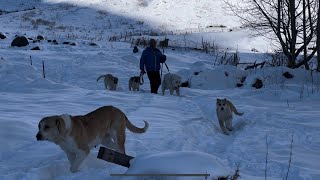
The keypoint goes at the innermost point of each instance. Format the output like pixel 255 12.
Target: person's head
pixel 153 43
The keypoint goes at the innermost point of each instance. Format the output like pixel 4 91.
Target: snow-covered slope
pixel 178 125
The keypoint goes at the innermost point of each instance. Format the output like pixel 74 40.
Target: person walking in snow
pixel 150 62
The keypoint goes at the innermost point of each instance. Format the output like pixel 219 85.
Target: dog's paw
pixel 73 169
pixel 226 133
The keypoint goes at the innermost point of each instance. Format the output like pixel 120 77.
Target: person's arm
pixel 142 61
pixel 163 57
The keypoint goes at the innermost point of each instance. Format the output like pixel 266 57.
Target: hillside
pixel 184 131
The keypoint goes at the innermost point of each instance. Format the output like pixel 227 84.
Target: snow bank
pixel 188 162
pixel 226 77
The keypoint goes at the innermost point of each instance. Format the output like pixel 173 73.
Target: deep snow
pixel 177 124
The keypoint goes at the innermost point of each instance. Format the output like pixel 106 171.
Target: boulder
pixel 20 41
pixel 258 84
pixel 36 48
pixel 287 75
pixel 40 38
pixel 135 49
pixel 2 36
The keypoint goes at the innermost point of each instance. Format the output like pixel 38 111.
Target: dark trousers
pixel 155 81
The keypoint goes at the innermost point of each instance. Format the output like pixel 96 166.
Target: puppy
pixel 134 83
pixel 110 82
pixel 172 82
pixel 76 135
pixel 224 112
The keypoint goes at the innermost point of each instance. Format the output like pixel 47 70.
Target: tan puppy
pixel 172 82
pixel 110 82
pixel 134 83
pixel 76 135
pixel 224 112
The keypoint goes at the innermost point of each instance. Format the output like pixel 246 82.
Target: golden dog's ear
pixel 60 125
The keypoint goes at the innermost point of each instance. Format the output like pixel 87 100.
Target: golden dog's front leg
pixel 80 155
pixel 71 157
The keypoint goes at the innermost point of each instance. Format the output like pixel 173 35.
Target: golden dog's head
pixel 50 129
pixel 221 104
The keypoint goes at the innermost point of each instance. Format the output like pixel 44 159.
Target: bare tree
pixel 289 22
pixel 318 38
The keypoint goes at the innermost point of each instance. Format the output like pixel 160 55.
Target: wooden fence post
pixel 43 71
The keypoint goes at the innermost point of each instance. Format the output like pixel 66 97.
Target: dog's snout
pixel 39 137
pixel 222 109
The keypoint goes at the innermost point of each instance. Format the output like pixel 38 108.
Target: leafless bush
pixel 228 59
pixel 102 12
pixel 278 58
pixel 42 22
pixel 28 16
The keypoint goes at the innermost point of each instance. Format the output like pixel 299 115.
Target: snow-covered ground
pixel 182 129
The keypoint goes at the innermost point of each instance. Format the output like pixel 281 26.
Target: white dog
pixel 76 135
pixel 225 109
pixel 172 82
pixel 110 81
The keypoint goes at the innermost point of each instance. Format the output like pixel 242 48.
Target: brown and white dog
pixel 134 83
pixel 76 135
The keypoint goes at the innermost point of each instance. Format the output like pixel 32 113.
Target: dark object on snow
pixel 164 43
pixel 49 40
pixel 239 84
pixel 36 48
pixel 28 38
pixel 135 49
pixel 66 42
pixel 92 44
pixel 73 44
pixel 258 84
pixel 287 75
pixel 114 157
pixel 2 36
pixel 55 42
pixel 185 84
pixel 255 65
pixel 197 73
pixel 40 38
pixel 20 41
pixel 35 41
pixel 226 73
pixel 241 81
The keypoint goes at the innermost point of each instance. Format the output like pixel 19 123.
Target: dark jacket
pixel 150 59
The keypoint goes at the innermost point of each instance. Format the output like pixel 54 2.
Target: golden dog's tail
pixel 135 129
pixel 234 109
pixel 100 77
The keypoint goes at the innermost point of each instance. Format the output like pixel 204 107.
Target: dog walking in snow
pixel 110 82
pixel 172 82
pixel 225 111
pixel 76 135
pixel 134 83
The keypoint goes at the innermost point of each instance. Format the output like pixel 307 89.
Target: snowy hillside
pixel 182 129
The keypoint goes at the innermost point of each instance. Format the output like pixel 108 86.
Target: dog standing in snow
pixel 134 83
pixel 225 110
pixel 110 81
pixel 172 82
pixel 76 135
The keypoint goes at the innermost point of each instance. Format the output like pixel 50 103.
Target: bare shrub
pixel 28 16
pixel 42 22
pixel 228 59
pixel 278 58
